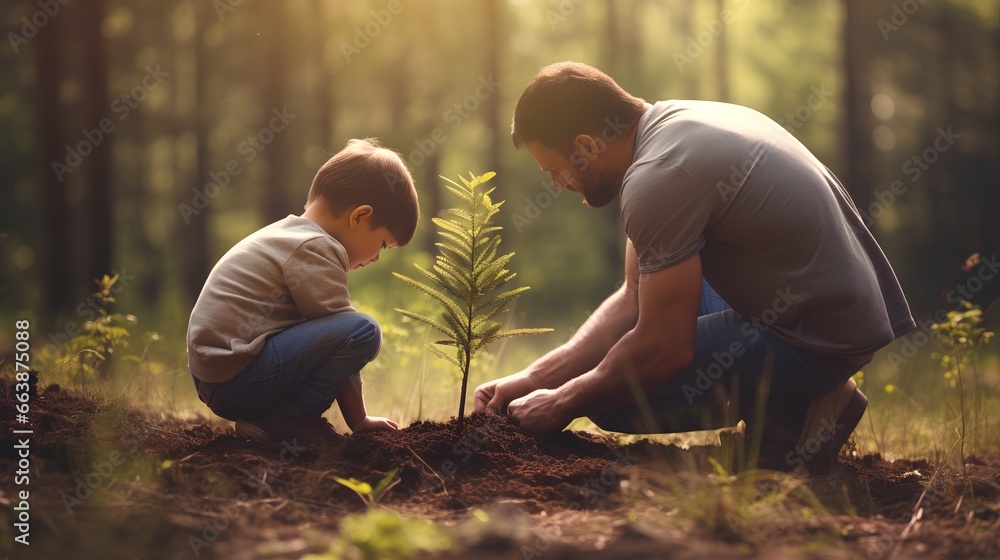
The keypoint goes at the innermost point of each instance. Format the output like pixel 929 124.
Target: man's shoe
pixel 829 421
pixel 286 421
pixel 247 429
pixel 832 418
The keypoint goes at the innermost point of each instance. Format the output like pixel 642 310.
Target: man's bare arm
pixel 616 316
pixel 660 346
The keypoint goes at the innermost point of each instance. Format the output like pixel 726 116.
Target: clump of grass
pixel 728 505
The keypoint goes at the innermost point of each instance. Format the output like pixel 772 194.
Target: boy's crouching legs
pixel 351 340
pixel 304 367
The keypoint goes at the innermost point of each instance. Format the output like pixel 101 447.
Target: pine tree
pixel 468 279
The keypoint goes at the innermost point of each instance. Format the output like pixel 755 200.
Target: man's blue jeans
pixel 740 371
pixel 308 365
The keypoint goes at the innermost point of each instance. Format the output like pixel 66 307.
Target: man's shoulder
pixel 656 176
pixel 683 142
pixel 695 124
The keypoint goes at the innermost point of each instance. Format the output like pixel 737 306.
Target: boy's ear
pixel 363 211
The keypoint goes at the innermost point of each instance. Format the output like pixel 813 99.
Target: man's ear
pixel 364 211
pixel 587 146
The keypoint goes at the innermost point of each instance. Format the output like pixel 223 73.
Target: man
pixel 717 192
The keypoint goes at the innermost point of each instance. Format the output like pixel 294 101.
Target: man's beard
pixel 599 188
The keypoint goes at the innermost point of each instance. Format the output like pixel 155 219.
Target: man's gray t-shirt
pixel 779 238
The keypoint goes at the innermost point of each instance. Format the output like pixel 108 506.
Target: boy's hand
pixel 374 424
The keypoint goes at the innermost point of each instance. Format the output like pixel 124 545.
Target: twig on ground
pixel 918 512
pixel 434 472
pixel 152 427
pixel 186 458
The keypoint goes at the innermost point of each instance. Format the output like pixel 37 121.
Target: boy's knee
pixel 367 334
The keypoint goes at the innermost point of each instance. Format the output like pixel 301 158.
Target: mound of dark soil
pixel 493 459
pixel 111 481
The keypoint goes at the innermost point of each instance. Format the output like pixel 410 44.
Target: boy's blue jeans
pixel 740 371
pixel 308 365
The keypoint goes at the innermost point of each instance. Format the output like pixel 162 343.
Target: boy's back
pixel 279 276
pixel 273 340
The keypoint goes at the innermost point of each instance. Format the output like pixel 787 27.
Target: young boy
pixel 273 339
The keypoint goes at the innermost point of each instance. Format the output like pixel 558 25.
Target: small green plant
pixel 100 338
pixel 381 534
pixel 370 496
pixel 468 279
pixel 961 338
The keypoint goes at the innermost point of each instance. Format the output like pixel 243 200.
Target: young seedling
pixel 100 339
pixel 370 496
pixel 962 337
pixel 468 279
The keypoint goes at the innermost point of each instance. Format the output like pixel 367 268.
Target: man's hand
pixel 494 396
pixel 540 412
pixel 375 424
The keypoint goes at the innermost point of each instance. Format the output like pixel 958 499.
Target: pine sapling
pixel 468 279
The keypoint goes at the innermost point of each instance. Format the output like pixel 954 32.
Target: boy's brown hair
pixel 570 98
pixel 364 172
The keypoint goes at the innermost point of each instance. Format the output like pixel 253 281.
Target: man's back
pixel 778 236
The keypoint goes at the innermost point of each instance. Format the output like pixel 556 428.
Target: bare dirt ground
pixel 112 482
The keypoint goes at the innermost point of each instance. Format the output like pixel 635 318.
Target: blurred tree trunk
pixel 434 86
pixel 325 92
pixel 623 69
pixel 429 188
pixel 99 207
pixel 857 143
pixel 56 251
pixel 397 77
pixel 633 48
pixel 143 204
pixel 613 52
pixel 685 20
pixel 196 254
pixel 275 202
pixel 722 55
pixel 494 23
pixel 137 201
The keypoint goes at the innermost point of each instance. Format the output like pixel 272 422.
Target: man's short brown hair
pixel 364 172
pixel 566 99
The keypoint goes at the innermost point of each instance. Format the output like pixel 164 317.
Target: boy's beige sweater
pixel 287 273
